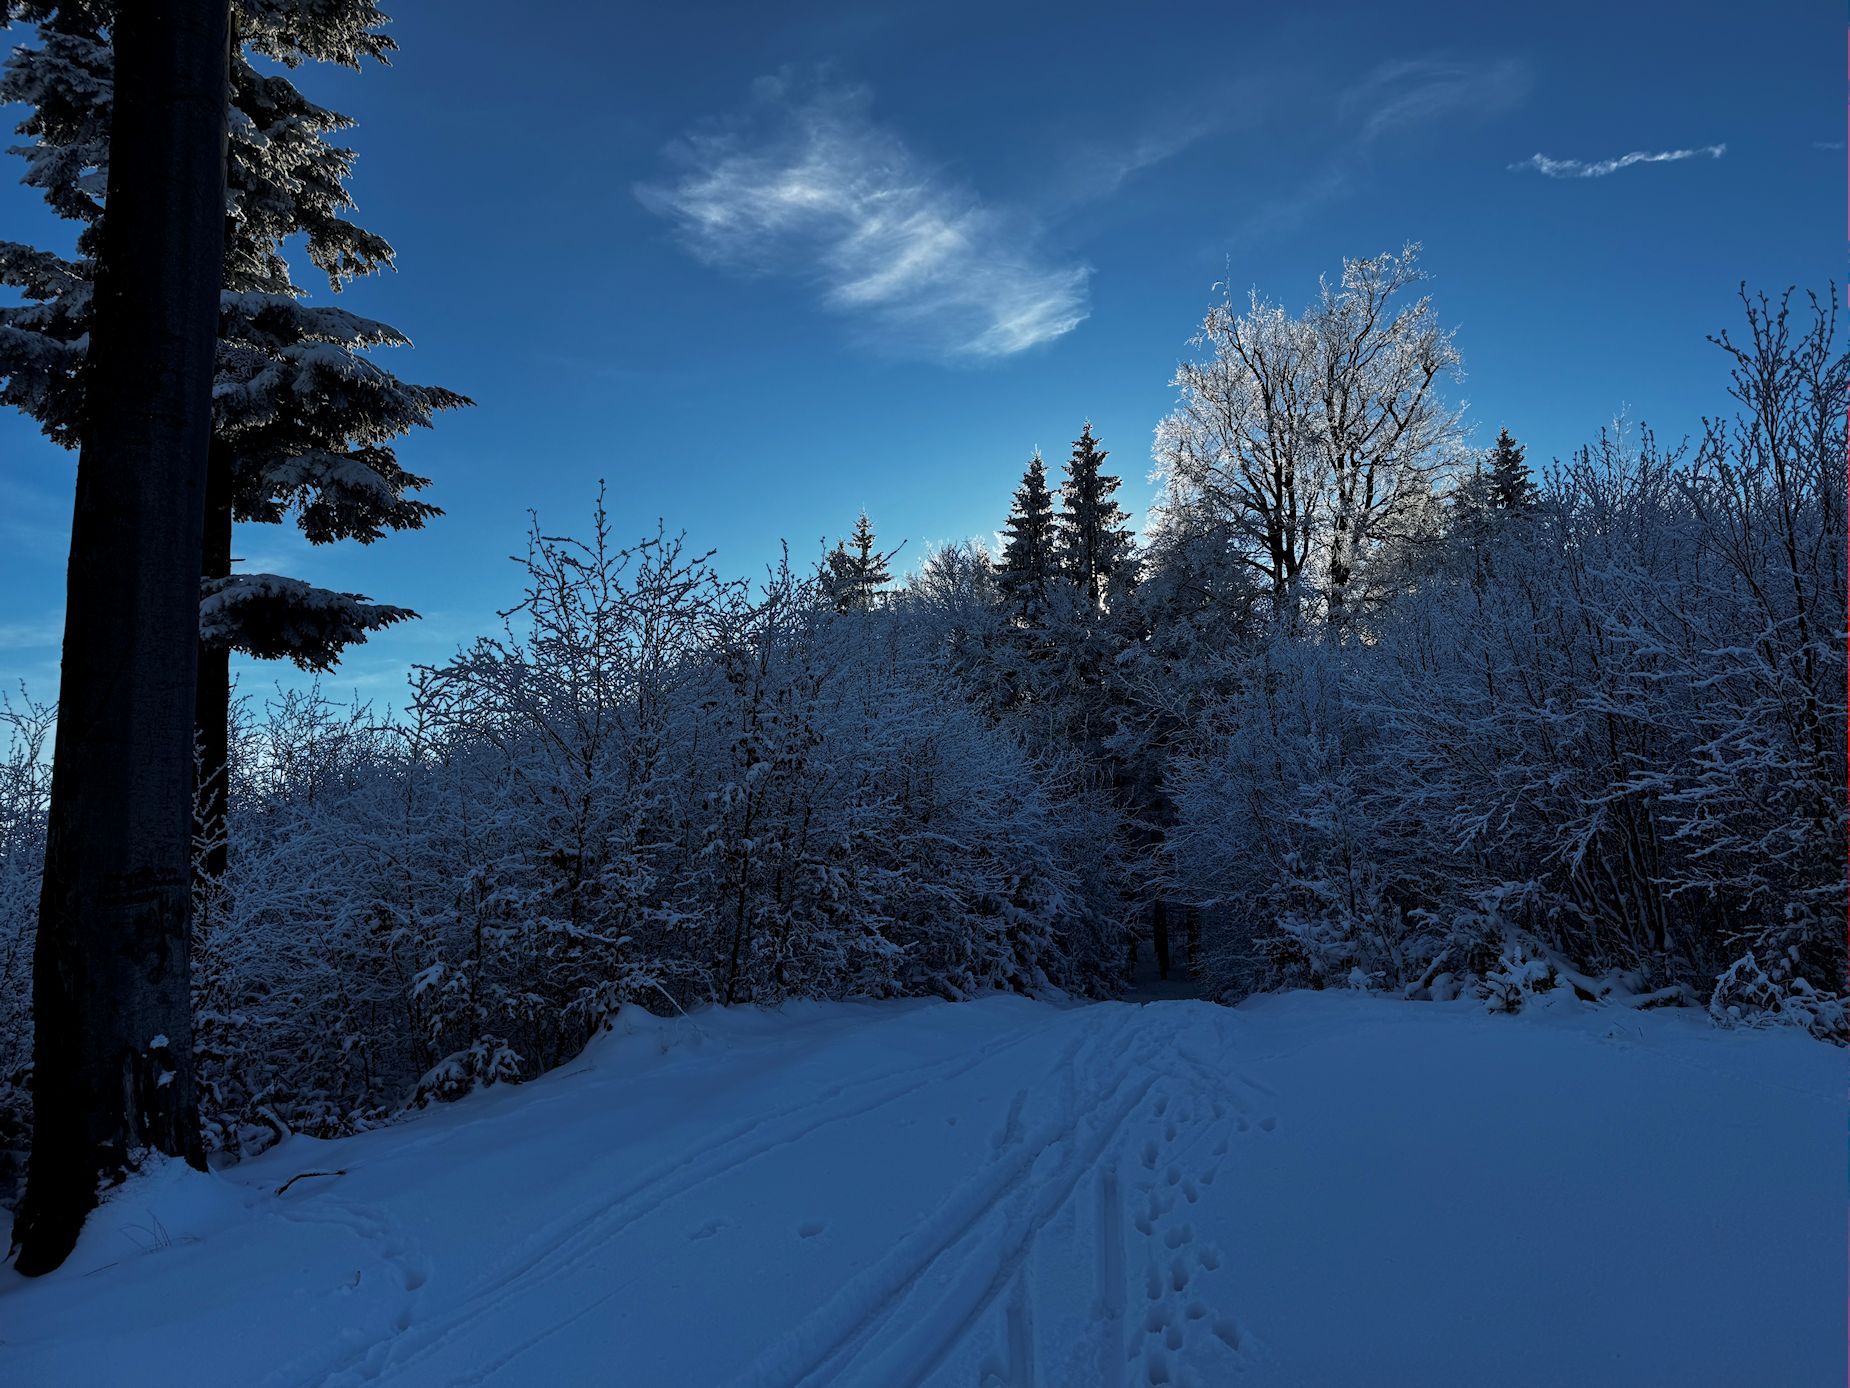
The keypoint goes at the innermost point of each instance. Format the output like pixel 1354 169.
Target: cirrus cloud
pixel 806 183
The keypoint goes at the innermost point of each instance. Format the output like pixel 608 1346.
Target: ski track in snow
pixel 899 1322
pixel 557 1252
pixel 1008 1195
pixel 964 1276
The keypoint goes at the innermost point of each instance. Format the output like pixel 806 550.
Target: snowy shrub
pixel 1746 995
pixel 483 1062
pixel 1518 975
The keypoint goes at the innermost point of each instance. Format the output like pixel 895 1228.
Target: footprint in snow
pixel 810 1229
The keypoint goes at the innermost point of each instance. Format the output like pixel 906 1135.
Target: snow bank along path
pixel 1310 1189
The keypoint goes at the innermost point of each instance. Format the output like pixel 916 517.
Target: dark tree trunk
pixel 113 1036
pixel 212 701
pixel 1159 927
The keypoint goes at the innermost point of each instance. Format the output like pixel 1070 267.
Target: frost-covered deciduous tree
pixel 1317 441
pixel 1595 744
pixel 1764 813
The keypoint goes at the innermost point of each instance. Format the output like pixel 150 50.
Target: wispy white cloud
pixel 1106 167
pixel 1413 92
pixel 807 183
pixel 1576 168
pixel 1827 144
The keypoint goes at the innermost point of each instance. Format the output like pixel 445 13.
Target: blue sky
pixel 761 266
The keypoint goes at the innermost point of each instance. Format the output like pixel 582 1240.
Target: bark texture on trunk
pixel 112 1045
pixel 212 700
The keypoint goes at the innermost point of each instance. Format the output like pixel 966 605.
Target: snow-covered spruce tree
pixel 1512 487
pixel 857 569
pixel 1094 540
pixel 1098 622
pixel 303 418
pixel 1051 678
pixel 1031 549
pixel 1499 491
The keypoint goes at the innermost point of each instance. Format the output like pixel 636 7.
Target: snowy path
pixel 1307 1190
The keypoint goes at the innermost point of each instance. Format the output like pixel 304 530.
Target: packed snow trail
pixel 1313 1189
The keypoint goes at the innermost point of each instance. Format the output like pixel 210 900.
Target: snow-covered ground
pixel 1309 1189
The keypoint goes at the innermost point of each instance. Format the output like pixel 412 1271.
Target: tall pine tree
pixel 1511 487
pixel 1095 541
pixel 1499 493
pixel 111 977
pixel 303 419
pixel 858 570
pixel 1030 553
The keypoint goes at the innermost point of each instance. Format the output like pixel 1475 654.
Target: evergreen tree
pixel 1095 542
pixel 1511 487
pixel 1498 490
pixel 1030 554
pixel 111 977
pixel 857 570
pixel 303 420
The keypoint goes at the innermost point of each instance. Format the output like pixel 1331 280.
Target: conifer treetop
pixel 304 419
